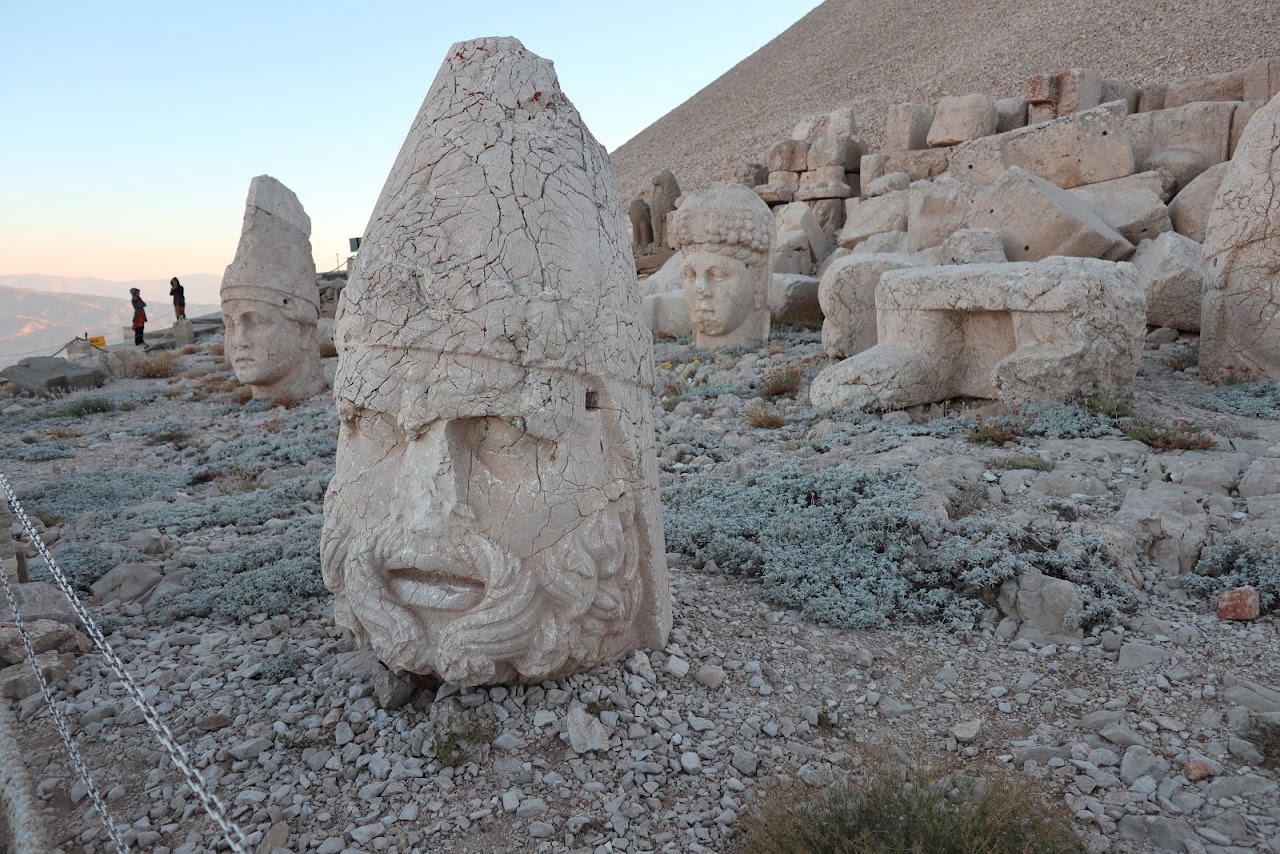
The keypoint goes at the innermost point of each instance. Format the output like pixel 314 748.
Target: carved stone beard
pixel 565 608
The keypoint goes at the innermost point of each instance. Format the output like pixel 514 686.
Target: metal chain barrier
pixel 234 837
pixel 15 789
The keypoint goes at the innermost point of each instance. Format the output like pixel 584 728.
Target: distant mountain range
pixel 200 287
pixel 36 322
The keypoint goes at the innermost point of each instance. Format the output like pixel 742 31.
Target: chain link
pixel 212 805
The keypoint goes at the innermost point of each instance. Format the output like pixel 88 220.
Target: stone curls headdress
pixel 728 221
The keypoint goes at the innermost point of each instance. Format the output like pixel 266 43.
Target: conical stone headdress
pixel 273 261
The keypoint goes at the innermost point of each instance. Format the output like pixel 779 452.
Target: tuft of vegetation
pixel 175 436
pixel 998 431
pixel 1107 406
pixel 1023 461
pixel 38 452
pixel 1256 400
pixel 1181 435
pixel 923 812
pixel 157 365
pixel 1234 374
pixel 847 547
pixel 779 382
pixel 104 492
pixel 280 667
pixel 75 407
pixel 189 350
pixel 760 414
pixel 1264 733
pixel 455 740
pixel 218 349
pixel 1182 358
pixel 1250 561
pixel 241 395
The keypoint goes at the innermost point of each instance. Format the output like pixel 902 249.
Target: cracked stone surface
pixel 1010 332
pixel 726 235
pixel 494 515
pixel 1241 313
pixel 270 304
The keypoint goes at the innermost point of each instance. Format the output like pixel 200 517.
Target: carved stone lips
pixel 441 587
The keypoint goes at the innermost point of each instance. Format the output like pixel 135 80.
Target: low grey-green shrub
pixel 254 454
pixel 1252 561
pixel 104 492
pixel 845 546
pixel 1256 399
pixel 38 452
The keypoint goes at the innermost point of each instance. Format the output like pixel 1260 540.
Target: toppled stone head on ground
pixel 493 515
pixel 726 235
pixel 270 302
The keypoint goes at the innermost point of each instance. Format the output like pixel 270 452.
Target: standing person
pixel 179 295
pixel 139 316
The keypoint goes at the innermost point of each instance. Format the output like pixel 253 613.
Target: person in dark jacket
pixel 179 295
pixel 139 316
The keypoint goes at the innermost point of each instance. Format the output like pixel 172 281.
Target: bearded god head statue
pixel 270 302
pixel 494 515
pixel 726 235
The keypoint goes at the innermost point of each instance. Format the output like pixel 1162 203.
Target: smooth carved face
pixel 719 292
pixel 471 548
pixel 264 345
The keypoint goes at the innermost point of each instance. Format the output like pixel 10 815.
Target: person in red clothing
pixel 139 316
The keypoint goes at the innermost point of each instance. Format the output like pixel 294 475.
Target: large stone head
pixel 270 302
pixel 493 515
pixel 726 235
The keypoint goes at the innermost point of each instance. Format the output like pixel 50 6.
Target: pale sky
pixel 129 131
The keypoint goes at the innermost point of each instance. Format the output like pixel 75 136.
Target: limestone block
pixel 833 149
pixel 493 514
pixel 1045 604
pixel 794 299
pixel 1171 524
pixel 847 295
pixel 935 210
pixel 270 302
pixel 664 314
pixel 1172 273
pixel 1158 181
pixel 1136 214
pixel 1262 477
pixel 1079 89
pixel 921 165
pixel 183 334
pixel 906 127
pixel 1261 80
pixel 799 217
pixel 727 235
pixel 792 253
pixel 1042 92
pixel 842 120
pixel 1228 86
pixel 1152 97
pixel 1013 332
pixel 1011 114
pixel 1239 121
pixel 874 216
pixel 887 184
pixel 1039 220
pixel 38 600
pixel 871 168
pixel 1189 210
pixel 887 241
pixel 1119 90
pixel 669 277
pixel 128 582
pixel 961 118
pixel 750 174
pixel 790 155
pixel 781 188
pixel 47 376
pixel 1240 319
pixel 829 214
pixel 1039 113
pixel 973 246
pixel 1070 151
pixel 825 182
pixel 1184 140
pixel 46 636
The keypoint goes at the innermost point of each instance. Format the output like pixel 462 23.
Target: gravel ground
pixel 312 742
pixel 873 53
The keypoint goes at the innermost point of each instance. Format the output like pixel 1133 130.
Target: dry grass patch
pixel 925 812
pixel 241 394
pixel 760 414
pixel 189 350
pixel 1179 436
pixel 780 381
pixel 59 432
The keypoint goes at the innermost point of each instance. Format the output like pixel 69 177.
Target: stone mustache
pixel 494 515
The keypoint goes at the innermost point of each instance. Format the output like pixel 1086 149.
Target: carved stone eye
pixel 592 401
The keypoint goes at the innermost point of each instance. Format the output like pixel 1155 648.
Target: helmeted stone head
pixel 270 302
pixel 726 235
pixel 493 515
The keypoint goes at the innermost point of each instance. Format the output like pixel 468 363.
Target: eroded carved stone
pixel 726 235
pixel 1240 320
pixel 270 302
pixel 493 515
pixel 665 192
pixel 1011 332
pixel 641 226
